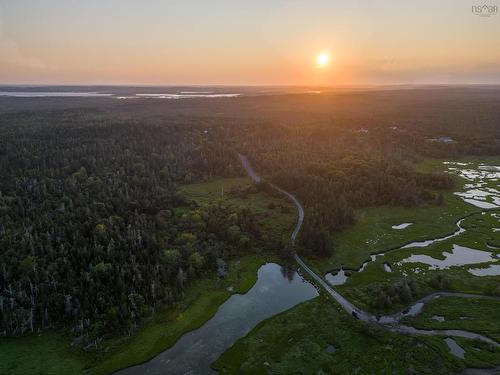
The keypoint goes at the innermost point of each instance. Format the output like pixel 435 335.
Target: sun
pixel 322 59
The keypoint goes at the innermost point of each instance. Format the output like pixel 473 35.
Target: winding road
pixel 389 322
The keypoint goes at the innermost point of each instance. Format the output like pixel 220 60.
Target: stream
pixel 340 279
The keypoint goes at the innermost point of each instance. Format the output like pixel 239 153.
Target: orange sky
pixel 246 42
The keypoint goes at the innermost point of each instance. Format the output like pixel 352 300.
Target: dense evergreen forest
pixel 94 236
pixel 92 231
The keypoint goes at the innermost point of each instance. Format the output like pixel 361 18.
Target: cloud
pixel 11 54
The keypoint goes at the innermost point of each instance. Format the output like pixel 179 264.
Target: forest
pixel 94 236
pixel 93 233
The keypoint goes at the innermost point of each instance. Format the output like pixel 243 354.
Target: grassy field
pixel 277 221
pixel 478 315
pixel 479 354
pixel 48 353
pixel 299 339
pixel 483 225
pixel 373 232
pixel 206 192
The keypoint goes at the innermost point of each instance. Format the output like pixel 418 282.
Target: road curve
pixel 389 322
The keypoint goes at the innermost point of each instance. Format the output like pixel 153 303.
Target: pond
pixel 338 279
pixel 480 204
pixel 401 226
pixel 277 289
pixel 459 256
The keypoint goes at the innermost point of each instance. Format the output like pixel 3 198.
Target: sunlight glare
pixel 322 59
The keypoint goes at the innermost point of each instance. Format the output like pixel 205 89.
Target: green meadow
pixel 318 337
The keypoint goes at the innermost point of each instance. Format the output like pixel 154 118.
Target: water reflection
pixel 330 349
pixel 39 94
pixel 277 289
pixel 492 270
pixel 426 243
pixel 401 226
pixel 455 349
pixel 338 279
pixel 480 204
pixel 288 273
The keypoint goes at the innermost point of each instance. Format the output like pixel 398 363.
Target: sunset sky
pixel 237 42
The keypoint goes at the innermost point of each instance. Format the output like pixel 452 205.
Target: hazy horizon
pixel 277 86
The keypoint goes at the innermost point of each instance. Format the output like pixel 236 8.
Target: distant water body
pixel 152 92
pixel 41 94
pixel 183 96
pixel 55 94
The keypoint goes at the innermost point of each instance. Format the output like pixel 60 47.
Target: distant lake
pixel 41 94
